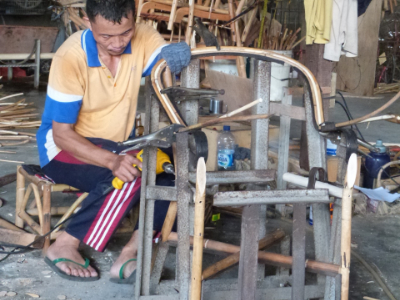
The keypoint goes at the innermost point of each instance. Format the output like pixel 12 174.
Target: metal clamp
pixel 162 138
pixel 178 94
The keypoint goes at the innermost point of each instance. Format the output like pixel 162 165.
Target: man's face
pixel 111 37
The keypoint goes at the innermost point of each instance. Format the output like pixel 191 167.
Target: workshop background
pixel 351 50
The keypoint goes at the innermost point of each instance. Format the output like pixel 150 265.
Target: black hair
pixel 111 10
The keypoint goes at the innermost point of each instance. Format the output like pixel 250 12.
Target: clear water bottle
pixel 226 150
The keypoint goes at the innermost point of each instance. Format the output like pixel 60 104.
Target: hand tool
pixel 208 38
pixel 163 165
pixel 162 138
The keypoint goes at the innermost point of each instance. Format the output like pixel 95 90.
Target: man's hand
pixel 122 167
pixel 177 56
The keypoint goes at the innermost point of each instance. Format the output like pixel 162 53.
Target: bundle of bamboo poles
pixel 389 5
pixel 387 88
pixel 284 40
pixel 17 114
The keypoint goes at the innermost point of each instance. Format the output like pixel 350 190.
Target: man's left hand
pixel 177 56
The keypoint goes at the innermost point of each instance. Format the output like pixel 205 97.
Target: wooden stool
pixel 42 190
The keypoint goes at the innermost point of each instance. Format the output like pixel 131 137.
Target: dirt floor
pixel 377 239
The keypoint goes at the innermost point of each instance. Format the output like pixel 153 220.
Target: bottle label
pixel 225 158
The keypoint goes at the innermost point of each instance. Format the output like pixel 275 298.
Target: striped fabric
pixel 110 214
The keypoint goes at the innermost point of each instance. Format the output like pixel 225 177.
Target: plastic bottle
pixel 226 150
pixel 373 164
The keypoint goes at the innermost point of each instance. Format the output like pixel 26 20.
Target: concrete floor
pixel 377 238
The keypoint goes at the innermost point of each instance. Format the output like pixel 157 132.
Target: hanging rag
pixel 344 30
pixel 318 14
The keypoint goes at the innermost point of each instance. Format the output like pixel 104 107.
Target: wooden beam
pixel 20 238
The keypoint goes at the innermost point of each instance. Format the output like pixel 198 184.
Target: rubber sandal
pixel 121 280
pixel 52 265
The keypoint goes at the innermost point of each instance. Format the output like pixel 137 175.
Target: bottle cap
pixel 380 146
pixel 227 128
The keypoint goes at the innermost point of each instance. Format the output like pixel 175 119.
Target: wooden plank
pixel 20 238
pixel 357 75
pixel 299 250
pixel 238 91
pixel 21 39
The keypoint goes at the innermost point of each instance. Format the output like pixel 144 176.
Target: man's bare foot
pixel 127 253
pixel 66 246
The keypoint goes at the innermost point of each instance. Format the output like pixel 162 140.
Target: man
pixel 91 104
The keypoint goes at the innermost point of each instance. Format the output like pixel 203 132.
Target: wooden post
pixel 8 225
pixel 172 209
pixel 189 27
pixel 46 215
pixel 233 259
pixel 199 208
pixel 236 37
pixel 20 192
pixel 346 224
pixel 322 70
pixel 172 15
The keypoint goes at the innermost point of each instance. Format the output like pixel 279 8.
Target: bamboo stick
pixel 14 144
pixel 236 38
pixel 233 259
pixel 298 42
pixel 200 200
pixel 172 209
pixel 232 25
pixel 139 10
pixel 249 23
pixel 346 224
pixel 372 114
pixel 12 161
pixel 189 27
pixel 196 6
pixel 273 259
pixel 8 225
pixel 11 96
pixel 247 106
pixel 17 133
pixel 224 120
pixel 70 210
pixel 172 15
pixel 14 137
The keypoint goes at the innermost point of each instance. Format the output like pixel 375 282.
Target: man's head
pixel 112 23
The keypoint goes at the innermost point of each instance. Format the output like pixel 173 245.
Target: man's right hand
pixel 122 167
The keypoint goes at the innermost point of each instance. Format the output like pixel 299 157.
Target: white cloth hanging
pixel 344 30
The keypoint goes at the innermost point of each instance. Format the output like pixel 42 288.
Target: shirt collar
pixel 89 46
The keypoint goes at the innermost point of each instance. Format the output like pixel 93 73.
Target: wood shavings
pixel 11 294
pixel 32 295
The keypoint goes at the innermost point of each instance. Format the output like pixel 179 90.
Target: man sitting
pixel 90 106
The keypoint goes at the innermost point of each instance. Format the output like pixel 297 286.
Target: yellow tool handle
pixel 162 158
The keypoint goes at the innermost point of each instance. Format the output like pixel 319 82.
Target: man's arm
pixel 121 165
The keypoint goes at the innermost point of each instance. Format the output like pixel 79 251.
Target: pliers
pixel 162 138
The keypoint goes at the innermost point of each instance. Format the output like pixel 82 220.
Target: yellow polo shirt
pixel 82 91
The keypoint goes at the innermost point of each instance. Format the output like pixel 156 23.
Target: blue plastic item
pixel 373 164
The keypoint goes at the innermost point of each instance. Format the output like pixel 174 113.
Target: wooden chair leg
pixel 19 197
pixel 46 215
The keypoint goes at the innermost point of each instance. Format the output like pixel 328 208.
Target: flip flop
pixel 121 280
pixel 52 265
